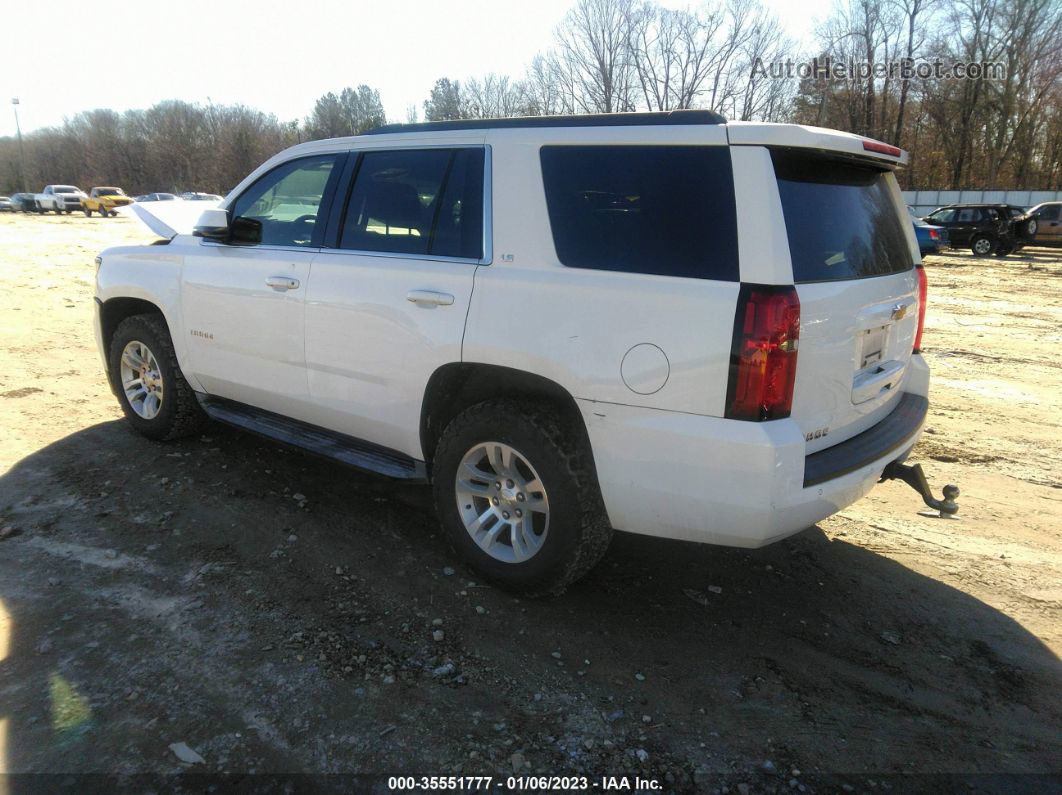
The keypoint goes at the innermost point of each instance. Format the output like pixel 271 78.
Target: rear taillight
pixel 922 288
pixel 934 234
pixel 764 353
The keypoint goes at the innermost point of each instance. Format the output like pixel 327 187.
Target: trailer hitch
pixel 914 477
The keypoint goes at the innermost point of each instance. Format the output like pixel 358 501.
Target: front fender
pixel 151 274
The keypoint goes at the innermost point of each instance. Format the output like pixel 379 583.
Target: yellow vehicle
pixel 104 201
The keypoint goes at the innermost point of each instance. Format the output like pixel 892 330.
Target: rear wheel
pixel 517 496
pixel 982 245
pixel 145 376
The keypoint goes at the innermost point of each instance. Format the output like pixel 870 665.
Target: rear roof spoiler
pixel 800 136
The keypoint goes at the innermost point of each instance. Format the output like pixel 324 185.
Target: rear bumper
pixel 895 432
pixel 738 483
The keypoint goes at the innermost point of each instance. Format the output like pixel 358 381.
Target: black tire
pixel 1004 248
pixel 88 213
pixel 982 245
pixel 179 413
pixel 579 532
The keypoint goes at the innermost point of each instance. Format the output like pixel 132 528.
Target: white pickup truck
pixel 60 198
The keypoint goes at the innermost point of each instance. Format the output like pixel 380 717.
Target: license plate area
pixel 872 346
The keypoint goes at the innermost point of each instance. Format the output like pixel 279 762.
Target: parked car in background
pixel 931 239
pixel 985 229
pixel 60 198
pixel 1048 218
pixel 158 197
pixel 195 196
pixel 5 205
pixel 23 203
pixel 104 201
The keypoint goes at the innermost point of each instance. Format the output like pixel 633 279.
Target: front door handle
pixel 429 297
pixel 282 283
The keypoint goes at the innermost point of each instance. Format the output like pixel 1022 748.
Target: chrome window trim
pixel 401 255
pixel 488 208
pixel 260 247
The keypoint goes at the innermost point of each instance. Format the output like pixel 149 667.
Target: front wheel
pixel 88 213
pixel 517 496
pixel 145 376
pixel 982 245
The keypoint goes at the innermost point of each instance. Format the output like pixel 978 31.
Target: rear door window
pixel 662 210
pixel 417 202
pixel 840 219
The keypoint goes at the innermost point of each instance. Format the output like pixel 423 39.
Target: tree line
pixel 613 56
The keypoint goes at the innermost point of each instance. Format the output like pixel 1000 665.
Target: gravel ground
pixel 281 614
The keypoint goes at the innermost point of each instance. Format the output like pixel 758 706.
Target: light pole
pixel 21 152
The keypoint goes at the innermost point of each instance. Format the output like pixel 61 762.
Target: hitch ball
pixel 914 477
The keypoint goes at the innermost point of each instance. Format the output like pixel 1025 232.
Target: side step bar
pixel 353 452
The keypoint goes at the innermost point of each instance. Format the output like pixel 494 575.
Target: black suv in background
pixel 998 229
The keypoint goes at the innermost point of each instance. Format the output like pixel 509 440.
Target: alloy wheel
pixel 502 502
pixel 141 380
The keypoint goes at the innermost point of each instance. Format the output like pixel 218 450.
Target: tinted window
pixel 427 201
pixel 942 216
pixel 1049 212
pixel 286 201
pixel 840 218
pixel 665 210
pixel 967 215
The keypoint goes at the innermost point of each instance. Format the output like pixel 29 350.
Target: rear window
pixel 662 210
pixel 840 219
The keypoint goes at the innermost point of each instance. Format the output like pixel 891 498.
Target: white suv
pixel 659 323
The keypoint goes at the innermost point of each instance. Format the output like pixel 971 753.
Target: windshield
pixel 66 189
pixel 841 219
pixel 109 192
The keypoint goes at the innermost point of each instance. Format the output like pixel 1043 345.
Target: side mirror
pixel 213 224
pixel 246 231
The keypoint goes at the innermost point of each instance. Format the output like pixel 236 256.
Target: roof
pixel 674 117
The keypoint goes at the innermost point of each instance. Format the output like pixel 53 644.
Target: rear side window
pixel 840 219
pixel 417 202
pixel 662 210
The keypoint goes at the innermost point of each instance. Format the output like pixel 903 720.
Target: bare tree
pixel 593 52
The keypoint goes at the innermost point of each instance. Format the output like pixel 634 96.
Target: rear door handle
pixel 282 283
pixel 869 385
pixel 429 297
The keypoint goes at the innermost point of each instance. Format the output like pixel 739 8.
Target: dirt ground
pixel 181 593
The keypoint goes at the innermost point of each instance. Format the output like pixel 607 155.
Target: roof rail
pixel 673 117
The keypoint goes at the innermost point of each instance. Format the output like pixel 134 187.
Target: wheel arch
pixel 114 310
pixel 454 387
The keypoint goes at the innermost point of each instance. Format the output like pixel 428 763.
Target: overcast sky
pixel 64 56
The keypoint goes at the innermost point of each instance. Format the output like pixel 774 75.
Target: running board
pixel 353 452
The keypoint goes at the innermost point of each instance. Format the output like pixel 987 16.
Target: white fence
pixel 926 201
